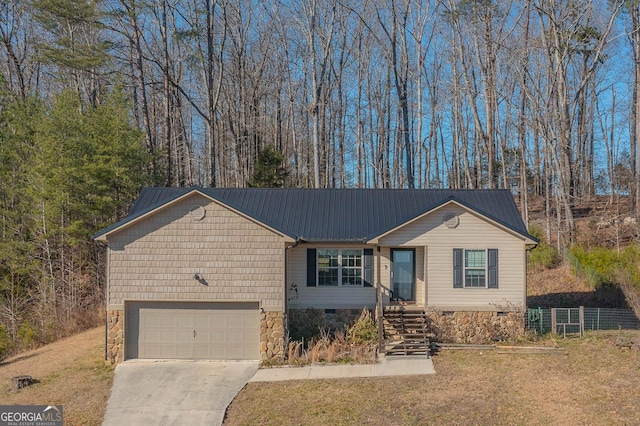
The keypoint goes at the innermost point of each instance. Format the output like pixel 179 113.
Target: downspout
pixel 286 291
pixel 527 249
pixel 107 285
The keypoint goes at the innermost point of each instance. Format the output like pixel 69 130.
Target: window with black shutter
pixel 344 267
pixel 475 268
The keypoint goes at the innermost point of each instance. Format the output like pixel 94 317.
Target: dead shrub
pixel 355 345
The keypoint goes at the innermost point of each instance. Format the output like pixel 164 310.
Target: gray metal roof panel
pixel 339 214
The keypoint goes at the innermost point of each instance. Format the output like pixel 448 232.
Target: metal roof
pixel 338 214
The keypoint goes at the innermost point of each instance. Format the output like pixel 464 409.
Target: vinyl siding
pixel 473 232
pixel 386 268
pixel 323 297
pixel 156 258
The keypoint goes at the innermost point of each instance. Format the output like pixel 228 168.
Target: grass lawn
pixel 595 381
pixel 70 372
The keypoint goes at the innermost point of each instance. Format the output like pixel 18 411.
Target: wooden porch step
pixel 406 323
pixel 408 350
pixel 399 346
pixel 405 326
pixel 399 339
pixel 411 335
pixel 405 331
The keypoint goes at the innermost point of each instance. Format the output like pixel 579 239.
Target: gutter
pixel 364 241
pixel 530 247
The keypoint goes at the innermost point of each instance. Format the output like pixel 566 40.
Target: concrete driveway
pixel 175 392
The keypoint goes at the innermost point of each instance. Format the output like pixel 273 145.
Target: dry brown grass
pixel 555 280
pixel 355 345
pixel 70 372
pixel 330 348
pixel 595 381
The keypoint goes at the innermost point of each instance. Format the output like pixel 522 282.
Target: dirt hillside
pixel 560 288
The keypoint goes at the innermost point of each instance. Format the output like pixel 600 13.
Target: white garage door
pixel 192 330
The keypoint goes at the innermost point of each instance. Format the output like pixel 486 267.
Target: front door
pixel 403 274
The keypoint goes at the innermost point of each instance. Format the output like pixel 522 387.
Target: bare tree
pixel 18 66
pixel 565 30
pixel 317 22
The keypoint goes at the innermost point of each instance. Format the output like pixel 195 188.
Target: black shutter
pixel 368 268
pixel 492 268
pixel 311 267
pixel 457 268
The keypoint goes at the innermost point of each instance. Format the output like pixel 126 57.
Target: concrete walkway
pixel 393 366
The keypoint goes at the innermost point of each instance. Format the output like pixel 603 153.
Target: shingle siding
pixel 157 258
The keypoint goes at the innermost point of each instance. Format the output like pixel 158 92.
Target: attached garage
pixel 192 330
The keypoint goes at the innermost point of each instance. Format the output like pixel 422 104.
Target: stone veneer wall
pixel 342 318
pixel 272 332
pixel 312 319
pixel 476 327
pixel 115 336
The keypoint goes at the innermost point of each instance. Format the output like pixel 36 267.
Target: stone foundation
pixel 476 327
pixel 272 333
pixel 115 336
pixel 341 319
pixel 306 323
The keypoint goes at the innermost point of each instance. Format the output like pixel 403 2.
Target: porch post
pixel 425 274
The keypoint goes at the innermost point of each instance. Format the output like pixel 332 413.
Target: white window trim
pixel 340 267
pixel 465 268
